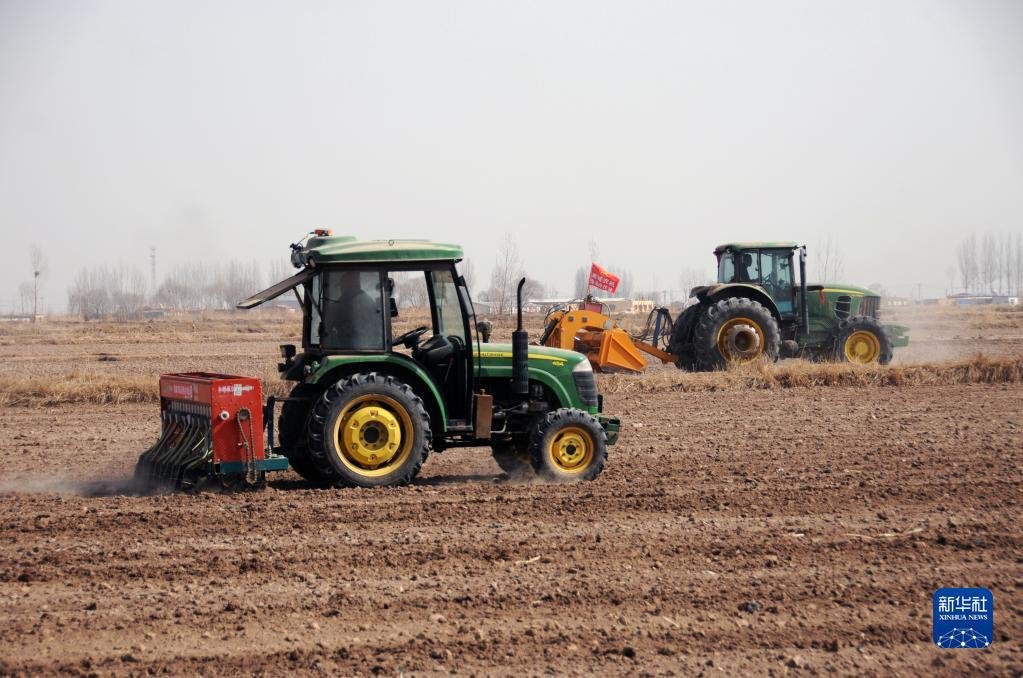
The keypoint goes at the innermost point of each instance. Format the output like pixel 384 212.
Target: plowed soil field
pixel 796 530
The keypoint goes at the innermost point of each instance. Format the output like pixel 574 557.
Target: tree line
pixel 121 292
pixel 991 264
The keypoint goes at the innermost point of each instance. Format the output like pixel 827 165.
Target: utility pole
pixel 152 271
pixel 35 294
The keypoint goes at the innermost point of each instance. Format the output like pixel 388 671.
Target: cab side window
pixel 449 312
pixel 352 305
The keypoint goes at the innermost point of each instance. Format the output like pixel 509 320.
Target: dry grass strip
pixel 792 374
pixel 92 387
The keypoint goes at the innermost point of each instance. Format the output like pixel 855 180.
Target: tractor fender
pixel 714 294
pixel 335 367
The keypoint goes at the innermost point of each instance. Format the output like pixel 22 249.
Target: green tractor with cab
pixel 757 309
pixel 369 404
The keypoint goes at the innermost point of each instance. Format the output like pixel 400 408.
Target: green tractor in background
pixel 370 404
pixel 758 309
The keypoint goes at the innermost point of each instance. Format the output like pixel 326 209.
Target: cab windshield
pixel 738 267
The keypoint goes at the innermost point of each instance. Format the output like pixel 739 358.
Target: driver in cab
pixel 354 313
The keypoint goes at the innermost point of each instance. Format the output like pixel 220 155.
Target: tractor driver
pixel 352 313
pixel 742 269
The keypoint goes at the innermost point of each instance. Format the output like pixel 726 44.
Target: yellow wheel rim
pixel 373 435
pixel 862 346
pixel 740 340
pixel 571 449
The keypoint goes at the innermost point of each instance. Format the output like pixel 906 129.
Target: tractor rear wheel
pixel 513 457
pixel 681 344
pixel 735 330
pixel 568 445
pixel 369 430
pixel 862 340
pixel 291 431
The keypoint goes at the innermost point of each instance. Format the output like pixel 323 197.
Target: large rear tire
pixel 681 344
pixel 369 430
pixel 735 330
pixel 862 340
pixel 568 445
pixel 291 431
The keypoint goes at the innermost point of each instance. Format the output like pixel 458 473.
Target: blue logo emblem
pixel 963 618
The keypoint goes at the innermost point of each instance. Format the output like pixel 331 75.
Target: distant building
pixel 964 299
pixel 611 304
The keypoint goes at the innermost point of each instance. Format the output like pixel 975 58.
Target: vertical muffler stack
pixel 520 350
pixel 212 429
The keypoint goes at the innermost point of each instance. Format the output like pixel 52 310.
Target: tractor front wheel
pixel 568 445
pixel 369 430
pixel 735 330
pixel 862 340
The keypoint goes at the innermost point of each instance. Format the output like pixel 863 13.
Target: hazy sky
pixel 222 129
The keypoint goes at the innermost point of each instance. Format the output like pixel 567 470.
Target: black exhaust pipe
pixel 520 352
pixel 804 311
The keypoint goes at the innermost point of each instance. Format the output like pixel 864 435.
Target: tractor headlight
pixel 585 383
pixel 582 366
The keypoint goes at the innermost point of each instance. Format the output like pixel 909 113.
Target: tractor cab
pixel 350 302
pixel 392 367
pixel 765 265
pixel 353 309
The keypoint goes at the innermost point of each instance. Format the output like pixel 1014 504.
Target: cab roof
pixel 343 249
pixel 757 245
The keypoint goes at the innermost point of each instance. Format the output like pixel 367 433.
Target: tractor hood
pixel 842 288
pixel 554 357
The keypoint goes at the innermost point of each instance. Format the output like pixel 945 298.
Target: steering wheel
pixel 410 338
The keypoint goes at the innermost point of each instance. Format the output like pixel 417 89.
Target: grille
pixel 870 306
pixel 586 385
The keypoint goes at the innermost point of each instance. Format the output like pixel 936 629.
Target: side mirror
pixel 394 307
pixel 486 328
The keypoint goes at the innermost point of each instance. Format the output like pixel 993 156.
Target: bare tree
pixel 626 284
pixel 689 278
pixel 1017 259
pixel 126 291
pixel 533 289
pixel 829 262
pixel 410 290
pixel 966 258
pixel 279 270
pixel 26 296
pixel 581 284
pixel 1005 263
pixel 504 277
pixel 988 262
pixel 468 271
pixel 235 281
pixel 88 294
pixel 39 271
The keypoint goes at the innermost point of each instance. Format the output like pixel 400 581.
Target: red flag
pixel 603 279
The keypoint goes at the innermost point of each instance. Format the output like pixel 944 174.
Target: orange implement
pixel 609 347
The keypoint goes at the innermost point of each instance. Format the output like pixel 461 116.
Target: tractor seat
pixel 436 353
pixel 436 350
